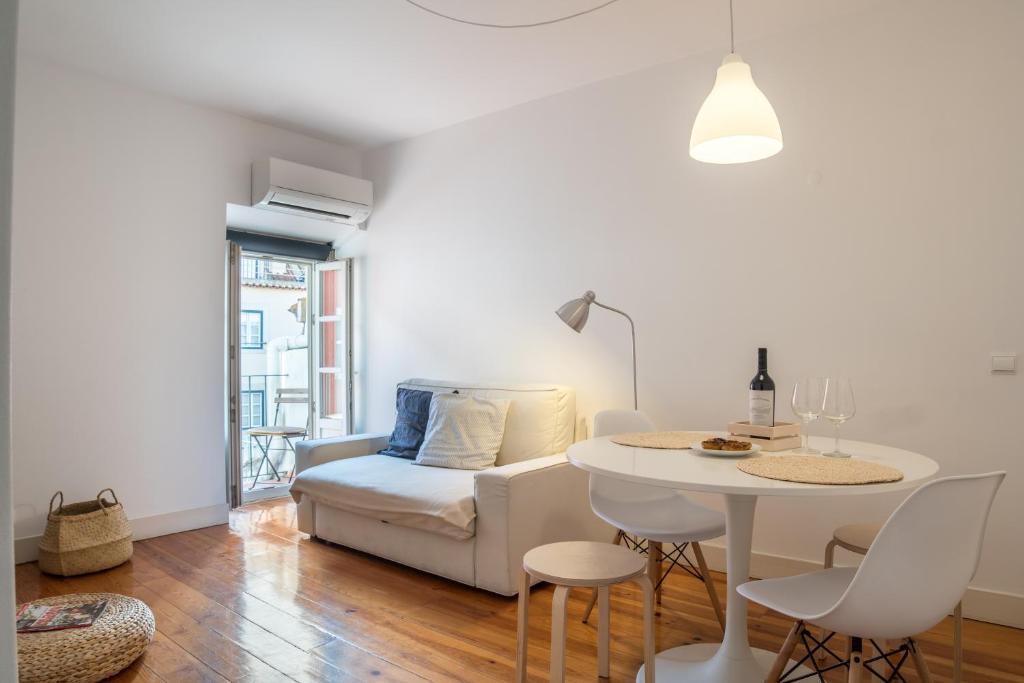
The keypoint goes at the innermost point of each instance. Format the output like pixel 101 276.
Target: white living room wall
pixel 8 58
pixel 883 242
pixel 118 319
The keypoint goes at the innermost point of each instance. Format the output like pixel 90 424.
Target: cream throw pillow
pixel 463 432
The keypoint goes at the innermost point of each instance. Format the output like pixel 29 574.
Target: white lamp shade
pixel 736 123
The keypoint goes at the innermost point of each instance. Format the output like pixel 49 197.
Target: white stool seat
pixel 575 564
pixel 670 518
pixel 857 537
pixel 802 597
pixel 583 563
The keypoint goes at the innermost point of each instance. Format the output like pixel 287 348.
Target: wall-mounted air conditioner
pixel 287 187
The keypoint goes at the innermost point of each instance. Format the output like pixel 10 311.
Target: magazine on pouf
pixel 35 618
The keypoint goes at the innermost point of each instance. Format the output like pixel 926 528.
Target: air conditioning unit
pixel 288 187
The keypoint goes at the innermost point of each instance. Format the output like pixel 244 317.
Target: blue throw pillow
pixel 413 408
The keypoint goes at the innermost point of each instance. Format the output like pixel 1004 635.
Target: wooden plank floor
pixel 256 601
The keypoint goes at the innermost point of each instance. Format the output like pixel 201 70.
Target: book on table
pixel 35 618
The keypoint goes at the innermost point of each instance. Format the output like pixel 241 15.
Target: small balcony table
pixel 734 661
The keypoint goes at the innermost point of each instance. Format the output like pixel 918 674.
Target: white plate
pixel 696 448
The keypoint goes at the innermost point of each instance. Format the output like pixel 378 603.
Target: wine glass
pixel 839 407
pixel 808 398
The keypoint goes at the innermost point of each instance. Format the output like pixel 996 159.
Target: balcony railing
pixel 266 272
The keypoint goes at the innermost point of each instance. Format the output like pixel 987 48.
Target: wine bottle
pixel 762 393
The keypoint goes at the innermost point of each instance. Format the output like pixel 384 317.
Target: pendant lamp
pixel 736 123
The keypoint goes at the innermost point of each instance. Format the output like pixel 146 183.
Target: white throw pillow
pixel 463 432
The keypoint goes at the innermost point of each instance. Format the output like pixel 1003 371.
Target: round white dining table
pixel 733 661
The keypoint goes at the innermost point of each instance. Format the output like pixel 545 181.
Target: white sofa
pixel 470 526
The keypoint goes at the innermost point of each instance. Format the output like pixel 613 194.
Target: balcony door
pixel 289 362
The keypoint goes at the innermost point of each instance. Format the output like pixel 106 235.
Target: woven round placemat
pixel 673 440
pixel 86 655
pixel 815 469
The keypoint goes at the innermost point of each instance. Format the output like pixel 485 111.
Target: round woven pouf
pixel 85 655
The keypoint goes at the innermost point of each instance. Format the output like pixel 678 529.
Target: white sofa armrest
pixel 318 451
pixel 526 504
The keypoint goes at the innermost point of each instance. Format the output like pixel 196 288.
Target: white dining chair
pixel 857 538
pixel 907 583
pixel 659 515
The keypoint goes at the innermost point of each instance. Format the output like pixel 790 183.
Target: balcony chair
pixel 283 395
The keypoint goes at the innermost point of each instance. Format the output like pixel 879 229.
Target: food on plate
pixel 720 444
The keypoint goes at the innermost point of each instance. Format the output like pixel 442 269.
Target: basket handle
pixel 59 507
pixel 99 498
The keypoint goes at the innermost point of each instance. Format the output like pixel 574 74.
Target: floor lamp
pixel 575 313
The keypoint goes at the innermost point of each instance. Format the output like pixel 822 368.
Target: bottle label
pixel 762 408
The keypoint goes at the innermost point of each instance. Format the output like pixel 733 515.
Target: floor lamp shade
pixel 736 123
pixel 575 313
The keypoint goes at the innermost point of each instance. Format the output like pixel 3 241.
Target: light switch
pixel 1004 362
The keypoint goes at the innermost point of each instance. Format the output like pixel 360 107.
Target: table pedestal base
pixel 704 663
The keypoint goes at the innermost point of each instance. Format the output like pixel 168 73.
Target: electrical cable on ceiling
pixel 532 25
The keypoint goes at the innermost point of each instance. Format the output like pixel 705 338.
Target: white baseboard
pixel 982 604
pixel 27 549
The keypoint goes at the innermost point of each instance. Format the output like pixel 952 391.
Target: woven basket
pixel 85 537
pixel 87 655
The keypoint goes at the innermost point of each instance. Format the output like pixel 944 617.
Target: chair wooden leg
pixel 830 556
pixel 648 588
pixel 784 654
pixel 923 674
pixel 593 596
pixel 559 609
pixel 958 642
pixel 523 627
pixel 590 605
pixel 604 632
pixel 709 583
pixel 856 661
pixel 654 567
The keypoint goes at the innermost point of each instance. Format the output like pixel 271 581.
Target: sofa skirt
pixel 434 553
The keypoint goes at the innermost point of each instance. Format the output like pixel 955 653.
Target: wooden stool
pixel 857 538
pixel 582 564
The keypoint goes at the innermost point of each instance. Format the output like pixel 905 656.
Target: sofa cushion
pixel 412 410
pixel 464 432
pixel 395 491
pixel 541 418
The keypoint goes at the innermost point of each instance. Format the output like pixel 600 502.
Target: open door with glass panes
pixel 272 370
pixel 333 335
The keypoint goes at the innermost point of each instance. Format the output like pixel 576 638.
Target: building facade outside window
pixel 254 409
pixel 251 336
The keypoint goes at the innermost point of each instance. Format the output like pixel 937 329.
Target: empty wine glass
pixel 839 407
pixel 808 397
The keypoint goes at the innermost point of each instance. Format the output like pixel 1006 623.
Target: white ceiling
pixel 368 72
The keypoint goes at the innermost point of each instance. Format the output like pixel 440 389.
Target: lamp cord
pixel 732 31
pixel 531 25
